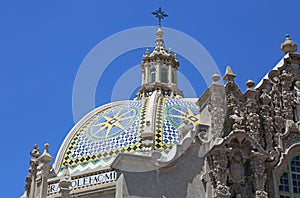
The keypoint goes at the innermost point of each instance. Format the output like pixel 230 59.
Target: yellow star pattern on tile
pixel 110 122
pixel 192 118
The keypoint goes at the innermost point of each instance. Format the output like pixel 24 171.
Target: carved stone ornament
pixel 217 121
pixel 239 164
pixel 220 170
pixel 297 101
pixel 237 169
pixel 258 168
pixel 36 181
pixel 287 97
pixel 216 108
pixel 259 126
pixel 222 191
pixel 253 121
pixel 238 119
pixel 261 194
pixel 265 111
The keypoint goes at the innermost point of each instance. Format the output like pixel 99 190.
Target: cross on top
pixel 160 14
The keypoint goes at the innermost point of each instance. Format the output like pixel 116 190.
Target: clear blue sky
pixel 42 44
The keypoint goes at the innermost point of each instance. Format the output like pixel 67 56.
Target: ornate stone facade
pixel 228 144
pixel 259 127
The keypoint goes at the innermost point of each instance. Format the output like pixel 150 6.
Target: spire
pixel 229 75
pixel 159 42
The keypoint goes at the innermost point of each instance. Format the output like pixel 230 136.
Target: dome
pixel 96 140
pixel 151 122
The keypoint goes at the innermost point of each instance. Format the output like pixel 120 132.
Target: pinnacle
pixel 215 77
pixel 250 83
pixel 288 46
pixel 229 75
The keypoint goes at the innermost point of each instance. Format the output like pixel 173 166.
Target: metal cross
pixel 159 14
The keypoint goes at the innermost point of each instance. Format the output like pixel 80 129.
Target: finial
pixel 159 42
pixel 215 77
pixel 170 50
pixel 250 83
pixel 160 14
pixel 46 147
pixel 46 157
pixel 147 51
pixel 229 75
pixel 36 151
pixel 159 33
pixel 288 46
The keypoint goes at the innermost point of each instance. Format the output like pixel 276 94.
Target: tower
pixel 159 70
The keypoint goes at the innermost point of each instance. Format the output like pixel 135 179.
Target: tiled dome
pixel 116 128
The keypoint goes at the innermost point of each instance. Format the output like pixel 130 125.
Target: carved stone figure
pixel 265 98
pixel 253 122
pixel 220 170
pixel 276 101
pixel 231 101
pixel 287 103
pixel 297 101
pixel 287 97
pixel 266 110
pixel 258 168
pixel 238 118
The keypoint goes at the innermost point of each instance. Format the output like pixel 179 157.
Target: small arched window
pixel 152 75
pixel 289 181
pixel 173 76
pixel 164 75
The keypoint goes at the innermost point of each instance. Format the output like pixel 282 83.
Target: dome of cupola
pixel 155 121
pixel 150 124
